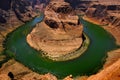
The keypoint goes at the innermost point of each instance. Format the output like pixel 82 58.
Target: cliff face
pixel 59 14
pixel 14 13
pixel 102 10
pixel 110 73
pixel 105 14
pixel 23 8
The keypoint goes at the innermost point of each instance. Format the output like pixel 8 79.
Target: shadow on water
pixel 88 63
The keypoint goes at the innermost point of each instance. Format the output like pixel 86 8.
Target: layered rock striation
pixel 60 33
pixel 107 15
pixel 102 10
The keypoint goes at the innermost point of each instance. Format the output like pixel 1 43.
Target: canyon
pixel 107 15
pixel 101 13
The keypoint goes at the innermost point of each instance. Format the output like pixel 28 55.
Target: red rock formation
pixel 59 34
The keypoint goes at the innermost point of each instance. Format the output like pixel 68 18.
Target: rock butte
pixel 59 33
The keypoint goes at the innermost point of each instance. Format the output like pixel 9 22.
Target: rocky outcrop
pixel 13 70
pixel 60 33
pixel 14 13
pixel 23 10
pixel 105 14
pixel 111 70
pixel 110 73
pixel 102 10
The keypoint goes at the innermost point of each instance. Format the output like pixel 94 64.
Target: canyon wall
pixel 14 13
pixel 11 17
pixel 107 14
pixel 105 11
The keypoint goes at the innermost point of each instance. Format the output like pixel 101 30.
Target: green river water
pixel 88 63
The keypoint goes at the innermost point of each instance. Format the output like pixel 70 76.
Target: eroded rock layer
pixel 60 32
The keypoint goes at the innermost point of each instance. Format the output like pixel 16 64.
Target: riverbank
pixel 38 63
pixel 57 45
pixel 59 34
pixel 36 56
pixel 111 69
pixel 21 72
pixel 74 54
pixel 6 30
pixel 115 54
pixel 113 59
pixel 115 31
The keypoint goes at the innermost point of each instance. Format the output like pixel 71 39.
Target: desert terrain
pixel 100 13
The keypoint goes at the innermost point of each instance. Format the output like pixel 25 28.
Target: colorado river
pixel 88 63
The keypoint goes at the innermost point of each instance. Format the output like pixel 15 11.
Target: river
pixel 88 63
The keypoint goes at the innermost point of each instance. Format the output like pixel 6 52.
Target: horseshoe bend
pixel 59 39
pixel 59 34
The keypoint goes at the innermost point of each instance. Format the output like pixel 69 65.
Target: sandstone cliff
pixel 60 33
